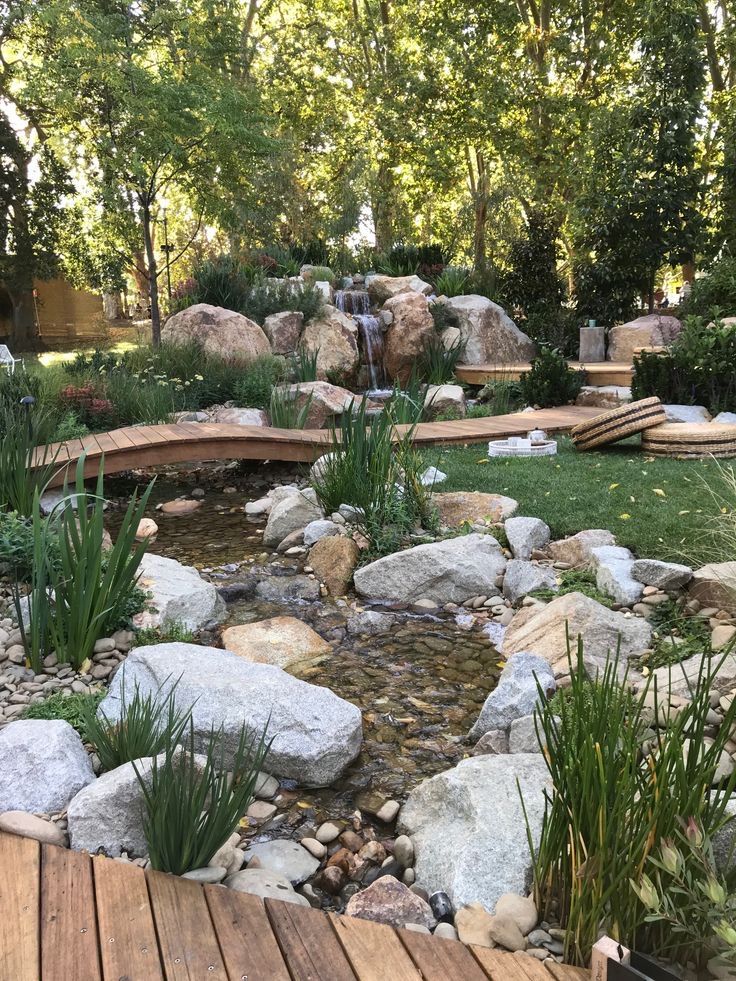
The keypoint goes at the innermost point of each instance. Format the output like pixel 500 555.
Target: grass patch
pixel 676 637
pixel 168 633
pixel 72 708
pixel 617 489
pixel 575 581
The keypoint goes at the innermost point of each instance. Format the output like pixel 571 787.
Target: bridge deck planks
pixel 65 915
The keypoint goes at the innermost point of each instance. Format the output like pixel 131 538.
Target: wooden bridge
pixel 136 447
pixel 68 917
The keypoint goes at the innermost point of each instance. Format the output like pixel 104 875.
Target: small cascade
pixel 356 302
pixel 372 337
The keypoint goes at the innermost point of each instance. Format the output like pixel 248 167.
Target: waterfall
pixel 372 335
pixel 356 302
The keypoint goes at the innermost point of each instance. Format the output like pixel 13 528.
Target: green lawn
pixel 658 508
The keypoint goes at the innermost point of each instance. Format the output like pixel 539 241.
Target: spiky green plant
pixel 304 364
pixel 24 465
pixel 438 362
pixel 285 412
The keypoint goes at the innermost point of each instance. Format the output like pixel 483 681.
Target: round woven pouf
pixel 618 423
pixel 690 441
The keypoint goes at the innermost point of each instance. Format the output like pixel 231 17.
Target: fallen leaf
pixel 624 516
pixel 658 491
pixel 613 486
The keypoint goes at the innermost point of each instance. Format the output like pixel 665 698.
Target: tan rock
pixel 652 330
pixel 333 560
pixel 235 416
pixel 383 288
pixel 180 507
pixel 284 330
pixel 29 826
pixel 577 550
pixel 521 910
pixel 715 585
pixel 220 332
pixel 505 933
pixel 147 528
pixel 473 925
pixel 327 401
pixel 457 507
pixel 283 641
pixel 444 398
pixel 409 331
pixel 722 636
pixel 334 336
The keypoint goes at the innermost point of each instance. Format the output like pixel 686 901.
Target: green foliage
pixel 698 369
pixel 676 636
pixel 191 807
pixel 444 316
pixel 304 364
pixel 16 544
pixel 576 581
pixel 73 603
pixel 614 800
pixel 501 397
pixel 275 296
pixel 68 706
pixel 69 427
pixel 23 469
pixel 550 381
pixel 533 283
pixel 454 281
pixel 408 260
pixel 167 633
pixel 555 327
pixel 405 406
pixel 146 726
pixel 378 477
pixel 223 282
pixel 437 362
pixel 714 291
pixel 287 411
pixel 253 389
pixel 320 274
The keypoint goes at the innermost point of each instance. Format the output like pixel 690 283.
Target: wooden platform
pixel 147 446
pixel 597 373
pixel 67 917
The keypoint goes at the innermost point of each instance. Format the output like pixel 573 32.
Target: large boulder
pixel 383 288
pixel 652 330
pixel 236 416
pixel 523 577
pixel 333 561
pixel 715 585
pixel 283 641
pixel 43 764
pixel 682 678
pixel 525 535
pixel 516 694
pixel 455 508
pixel 577 550
pixel 291 514
pixel 334 338
pixel 325 400
pixel 450 571
pixel 469 829
pixel 284 330
pixel 315 734
pixel 219 331
pixel 614 574
pixel 410 329
pixel 444 398
pixel 489 334
pixel 545 631
pixel 178 594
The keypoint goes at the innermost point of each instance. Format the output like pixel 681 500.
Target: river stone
pixel 458 507
pixel 525 535
pixel 43 764
pixel 577 550
pixel 266 884
pixel 715 585
pixel 286 589
pixel 283 641
pixel 180 507
pixel 291 514
pixel 389 901
pixel 724 841
pixel 179 595
pixel 321 528
pixel 489 334
pixel 520 909
pixel 315 734
pixel 468 827
pixel 29 826
pixel 450 571
pixel 473 925
pixel 523 736
pixel 663 575
pixel 286 857
pixel 333 561
pixel 218 331
pixel 545 631
pixel 522 577
pixel 369 623
pixel 516 693
pixel 613 567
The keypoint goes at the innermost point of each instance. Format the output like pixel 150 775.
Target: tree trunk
pixel 25 334
pixel 383 210
pixel 652 276
pixel 152 276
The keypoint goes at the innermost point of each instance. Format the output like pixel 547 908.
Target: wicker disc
pixel 618 423
pixel 690 441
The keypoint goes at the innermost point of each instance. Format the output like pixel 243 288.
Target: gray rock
pixel 523 736
pixel 286 589
pixel 687 413
pixel 490 335
pixel 286 857
pixel 290 514
pixel 178 594
pixel 526 534
pixel 43 764
pixel 493 741
pixel 266 884
pixel 450 571
pixel 724 841
pixel 369 623
pixel 210 875
pixel 613 574
pixel 725 418
pixel 522 577
pixel 315 734
pixel 321 528
pixel 516 693
pixel 474 810
pixel 663 575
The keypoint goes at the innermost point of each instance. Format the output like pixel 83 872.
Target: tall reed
pixel 24 465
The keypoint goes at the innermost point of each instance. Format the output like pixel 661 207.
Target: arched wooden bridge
pixel 136 447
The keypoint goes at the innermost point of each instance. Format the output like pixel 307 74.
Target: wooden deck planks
pixel 308 943
pixel 189 947
pixel 441 960
pixel 128 945
pixel 374 950
pixel 20 908
pixel 247 942
pixel 69 940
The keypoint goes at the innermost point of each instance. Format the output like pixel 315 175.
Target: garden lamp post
pixel 167 249
pixel 28 401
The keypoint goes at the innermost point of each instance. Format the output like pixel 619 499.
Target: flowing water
pixel 357 303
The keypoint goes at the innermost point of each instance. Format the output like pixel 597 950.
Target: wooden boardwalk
pixel 65 916
pixel 146 446
pixel 598 373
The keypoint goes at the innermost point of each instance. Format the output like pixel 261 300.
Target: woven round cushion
pixel 618 423
pixel 690 440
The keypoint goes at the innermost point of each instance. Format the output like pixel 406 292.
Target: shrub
pixel 614 800
pixel 550 381
pixel 69 427
pixel 68 706
pixel 191 806
pixel 454 281
pixel 717 289
pixel 17 545
pixel 501 397
pixel 147 725
pixel 274 296
pixel 320 274
pixel 224 282
pixel 88 404
pixel 253 389
pixel 167 633
pixel 554 327
pixel 532 282
pixel 698 369
pixel 437 363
